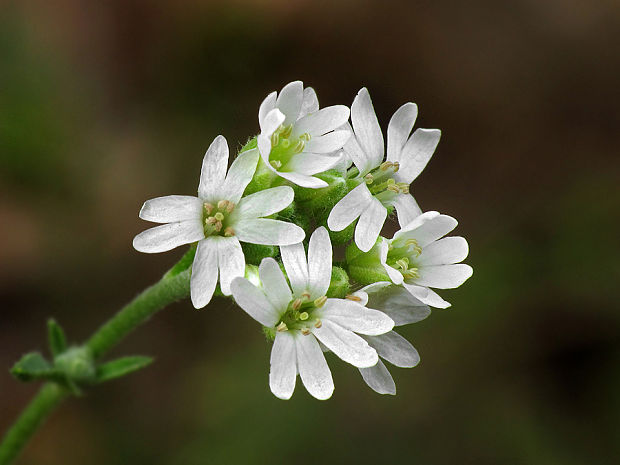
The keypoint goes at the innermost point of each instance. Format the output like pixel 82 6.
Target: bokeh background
pixel 106 104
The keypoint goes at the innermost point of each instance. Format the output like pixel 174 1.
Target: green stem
pixel 172 287
pixel 33 416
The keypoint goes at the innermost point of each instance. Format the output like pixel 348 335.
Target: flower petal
pixel 312 367
pixel 444 252
pixel 204 273
pixel 294 260
pixel 302 180
pixel 254 302
pixel 168 236
pixel 444 276
pixel 274 284
pixel 399 128
pixel 369 225
pixel 395 276
pixel 272 121
pixel 328 143
pixel 322 121
pixel 265 107
pixel 310 103
pixel 239 175
pixel 395 349
pixel 231 261
pixel 268 232
pixel 356 154
pixel 416 153
pixel 355 317
pixel 366 127
pixel 213 171
pixel 283 372
pixel 289 101
pixel 407 209
pixel 349 208
pixel 345 344
pixel 262 203
pixel 427 228
pixel 379 379
pixel 396 302
pixel 426 295
pixel 310 163
pixel 171 208
pixel 319 263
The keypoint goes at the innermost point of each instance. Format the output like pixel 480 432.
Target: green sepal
pixel 186 262
pixel 254 253
pixel 263 179
pixel 339 285
pixel 270 333
pixel 56 338
pixel 76 365
pixel 293 215
pixel 365 267
pixel 32 367
pixel 324 198
pixel 121 367
pixel 252 143
pixel 340 237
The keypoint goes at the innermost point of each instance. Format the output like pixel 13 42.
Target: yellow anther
pixel 218 226
pixel 219 216
pixel 391 182
pixel 282 327
pixel 318 324
pixel 411 273
pixel 354 298
pixel 303 316
pixel 229 232
pixel 305 331
pixel 305 295
pixel 368 178
pixel 208 208
pixel 230 207
pixel 385 165
pixel 403 263
pixel 286 130
pixel 393 188
pixel 305 137
pixel 211 220
pixel 320 301
pixel 296 304
pixel 275 138
pixel 222 204
pixel 396 166
pixel 275 163
pixel 299 146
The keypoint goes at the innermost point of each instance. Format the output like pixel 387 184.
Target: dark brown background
pixel 106 104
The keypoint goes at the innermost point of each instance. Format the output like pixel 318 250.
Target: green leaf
pixel 121 367
pixel 32 366
pixel 56 337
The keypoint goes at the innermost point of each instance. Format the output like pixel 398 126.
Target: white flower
pixel 218 219
pixel 419 259
pixel 298 140
pixel 304 316
pixel 404 309
pixel 382 184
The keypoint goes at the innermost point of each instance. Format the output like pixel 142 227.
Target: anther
pixel 282 327
pixel 396 166
pixel 286 131
pixel 393 188
pixel 275 138
pixel 299 146
pixel 207 207
pixel 296 304
pixel 229 232
pixel 320 301
pixel 303 316
pixel 354 298
pixel 222 204
pixel 218 226
pixel 385 165
pixel 305 137
pixel 211 220
pixel 403 263
pixel 368 178
pixel 305 295
pixel 318 324
pixel 305 331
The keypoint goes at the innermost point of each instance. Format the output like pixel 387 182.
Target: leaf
pixel 56 337
pixel 121 367
pixel 33 366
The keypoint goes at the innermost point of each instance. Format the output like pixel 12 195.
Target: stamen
pixel 275 163
pixel 303 316
pixel 299 146
pixel 385 165
pixel 218 226
pixel 229 232
pixel 296 304
pixel 305 295
pixel 403 263
pixel 222 204
pixel 413 244
pixel 354 298
pixel 320 301
pixel 396 166
pixel 230 207
pixel 282 327
pixel 368 178
pixel 305 331
pixel 286 131
pixel 207 207
pixel 411 273
pixel 211 221
pixel 305 137
pixel 318 324
pixel 393 188
pixel 275 138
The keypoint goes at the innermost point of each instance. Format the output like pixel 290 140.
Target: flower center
pixel 215 218
pixel 382 185
pixel 402 256
pixel 300 314
pixel 283 146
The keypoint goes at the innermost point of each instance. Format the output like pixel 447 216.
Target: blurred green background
pixel 106 104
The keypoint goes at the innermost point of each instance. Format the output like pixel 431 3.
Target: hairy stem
pixel 172 287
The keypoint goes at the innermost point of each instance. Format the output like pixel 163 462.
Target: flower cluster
pixel 311 179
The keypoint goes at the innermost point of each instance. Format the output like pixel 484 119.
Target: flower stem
pixel 172 287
